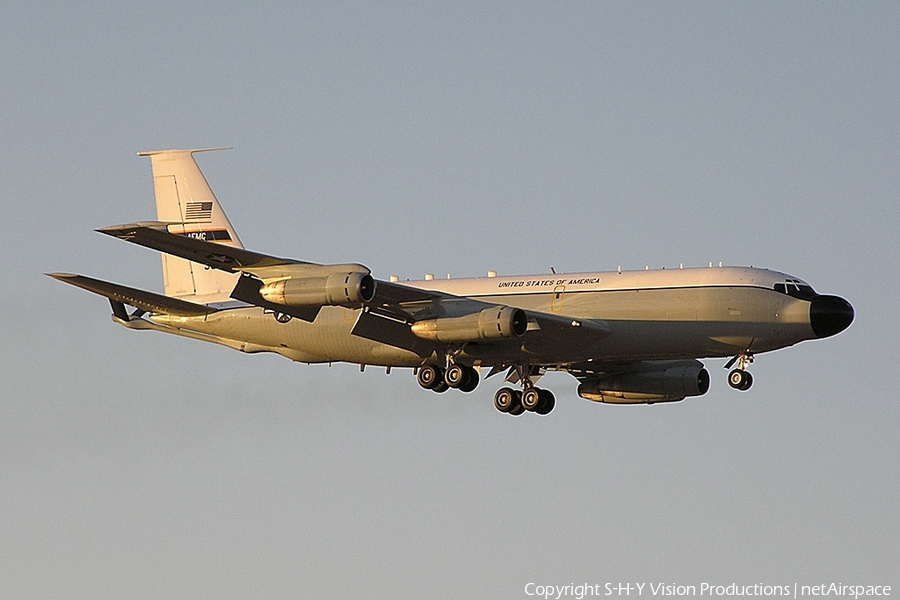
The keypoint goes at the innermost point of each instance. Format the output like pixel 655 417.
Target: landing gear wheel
pixel 471 380
pixel 546 403
pixel 429 376
pixel 455 376
pixel 505 399
pixel 740 380
pixel 531 398
pixel 441 387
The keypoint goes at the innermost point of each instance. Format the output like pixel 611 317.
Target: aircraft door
pixel 556 300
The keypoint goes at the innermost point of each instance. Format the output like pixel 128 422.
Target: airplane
pixel 628 337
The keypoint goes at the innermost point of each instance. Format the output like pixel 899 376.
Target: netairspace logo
pixel 794 590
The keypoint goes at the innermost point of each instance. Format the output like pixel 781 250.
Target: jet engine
pixel 351 290
pixel 491 323
pixel 647 387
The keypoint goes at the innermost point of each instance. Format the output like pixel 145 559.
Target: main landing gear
pixel 465 379
pixel 740 378
pixel 436 379
pixel 533 399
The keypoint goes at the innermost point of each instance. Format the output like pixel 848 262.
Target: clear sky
pixel 445 138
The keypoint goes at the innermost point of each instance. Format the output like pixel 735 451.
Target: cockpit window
pixel 796 289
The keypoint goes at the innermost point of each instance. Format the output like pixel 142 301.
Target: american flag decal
pixel 195 211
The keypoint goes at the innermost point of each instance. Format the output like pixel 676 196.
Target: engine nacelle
pixel 491 323
pixel 351 290
pixel 647 387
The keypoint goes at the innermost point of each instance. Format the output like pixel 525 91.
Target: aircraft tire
pixel 740 380
pixel 531 398
pixel 429 376
pixel 505 399
pixel 455 376
pixel 471 380
pixel 517 408
pixel 546 404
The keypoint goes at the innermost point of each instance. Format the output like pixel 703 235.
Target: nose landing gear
pixel 740 378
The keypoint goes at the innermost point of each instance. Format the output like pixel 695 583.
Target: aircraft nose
pixel 829 315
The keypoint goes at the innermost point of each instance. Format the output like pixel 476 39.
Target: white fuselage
pixel 652 315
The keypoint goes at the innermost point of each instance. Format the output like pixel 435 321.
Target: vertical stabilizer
pixel 184 199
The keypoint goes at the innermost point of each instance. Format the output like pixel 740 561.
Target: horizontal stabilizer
pixel 147 301
pixel 175 152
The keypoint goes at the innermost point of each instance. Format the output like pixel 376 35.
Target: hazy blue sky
pixel 447 138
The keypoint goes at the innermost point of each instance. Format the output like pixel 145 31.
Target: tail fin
pixel 184 199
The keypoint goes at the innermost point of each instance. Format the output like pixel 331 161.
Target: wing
pixel 548 339
pixel 171 239
pixel 157 235
pixel 167 238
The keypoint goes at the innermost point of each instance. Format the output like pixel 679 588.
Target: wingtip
pixel 113 230
pixel 118 230
pixel 110 229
